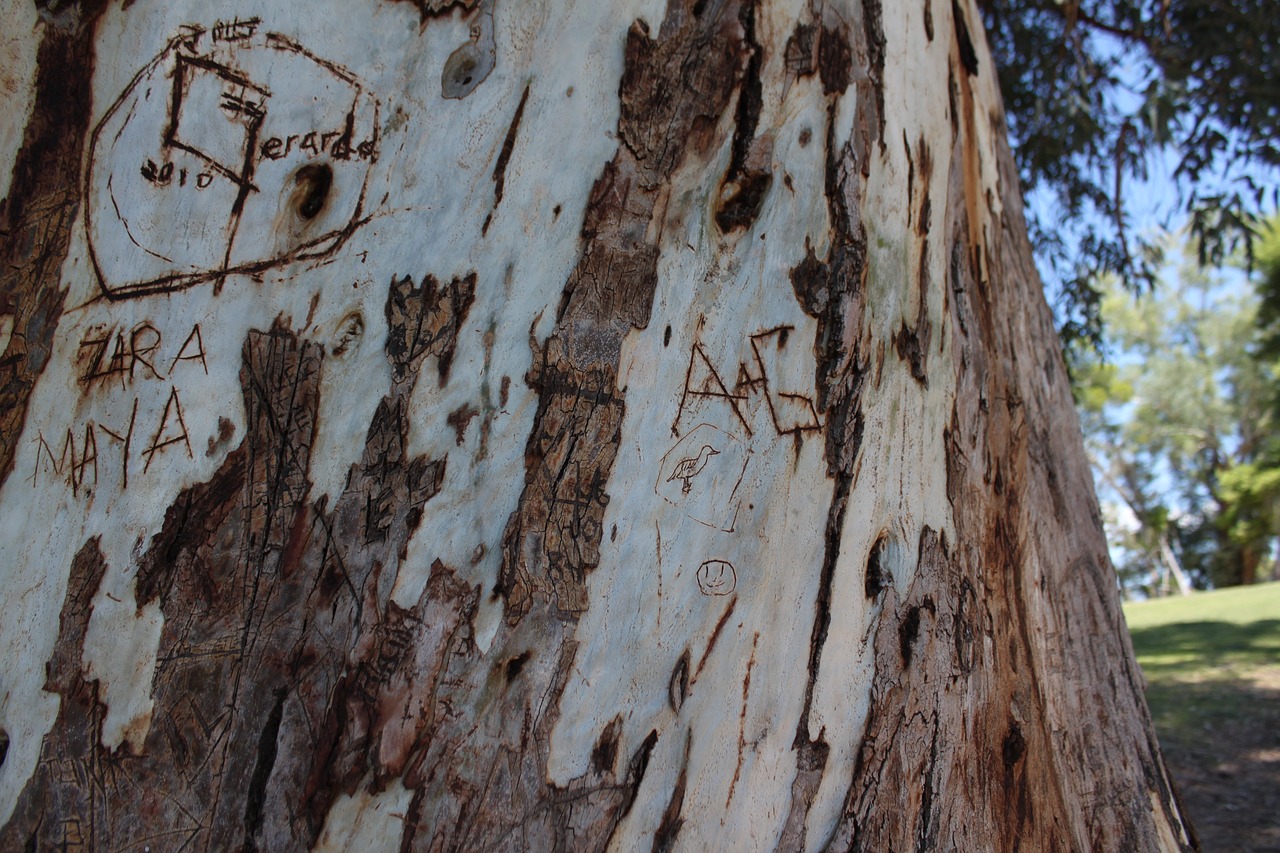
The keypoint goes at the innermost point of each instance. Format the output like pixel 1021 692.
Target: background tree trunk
pixel 465 424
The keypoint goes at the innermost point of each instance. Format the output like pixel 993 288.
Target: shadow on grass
pixel 1189 647
pixel 1214 693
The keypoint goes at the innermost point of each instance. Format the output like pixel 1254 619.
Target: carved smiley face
pixel 717 577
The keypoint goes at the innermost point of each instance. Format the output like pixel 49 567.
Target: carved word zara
pixel 108 356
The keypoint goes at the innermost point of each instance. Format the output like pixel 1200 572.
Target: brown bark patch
pixel 799 52
pixel 552 541
pixel 425 320
pixel 748 178
pixel 39 214
pixel 284 674
pixel 968 56
pixel 835 61
pixel 57 809
pixel 459 419
pixel 428 9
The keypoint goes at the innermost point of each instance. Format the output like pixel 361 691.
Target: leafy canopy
pixel 1095 90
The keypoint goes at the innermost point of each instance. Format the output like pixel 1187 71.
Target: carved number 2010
pixel 162 176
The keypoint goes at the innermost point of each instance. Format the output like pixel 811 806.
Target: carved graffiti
pixel 764 376
pixel 108 355
pixel 791 412
pixel 703 382
pixel 701 475
pixel 260 585
pixel 717 577
pixel 76 461
pixel 691 466
pixel 204 146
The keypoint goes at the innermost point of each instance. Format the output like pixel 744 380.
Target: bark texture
pixel 545 428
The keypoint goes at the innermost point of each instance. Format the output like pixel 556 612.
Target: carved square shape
pixel 226 108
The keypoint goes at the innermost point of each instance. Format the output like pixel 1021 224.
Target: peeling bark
pixel 552 541
pixel 37 216
pixel 259 586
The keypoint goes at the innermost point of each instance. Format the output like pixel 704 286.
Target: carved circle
pixel 717 577
pixel 238 124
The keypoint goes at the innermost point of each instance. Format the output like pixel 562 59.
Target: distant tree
pixel 1139 527
pixel 1252 488
pixel 1182 426
pixel 1267 283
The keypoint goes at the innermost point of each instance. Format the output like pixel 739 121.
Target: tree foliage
pixel 1097 89
pixel 1182 424
pixel 1252 488
pixel 1268 285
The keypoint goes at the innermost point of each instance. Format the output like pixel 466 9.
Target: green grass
pixel 1212 665
pixel 1238 605
pixel 1208 658
pixel 1207 634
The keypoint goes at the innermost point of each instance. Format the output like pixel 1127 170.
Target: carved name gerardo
pixel 213 125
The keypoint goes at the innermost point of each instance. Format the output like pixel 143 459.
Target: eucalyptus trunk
pixel 468 424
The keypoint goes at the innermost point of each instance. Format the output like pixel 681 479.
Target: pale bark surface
pixel 479 425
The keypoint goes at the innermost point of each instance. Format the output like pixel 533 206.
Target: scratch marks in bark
pixel 715 636
pixel 504 157
pixel 38 216
pixel 481 781
pixel 284 674
pixel 552 541
pixel 832 290
pixel 742 719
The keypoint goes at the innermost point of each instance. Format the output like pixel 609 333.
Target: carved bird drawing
pixel 688 468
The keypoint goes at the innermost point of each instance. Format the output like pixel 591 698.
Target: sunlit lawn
pixel 1212 664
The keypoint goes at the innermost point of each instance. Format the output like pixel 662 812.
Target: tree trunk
pixel 466 424
pixel 1173 567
